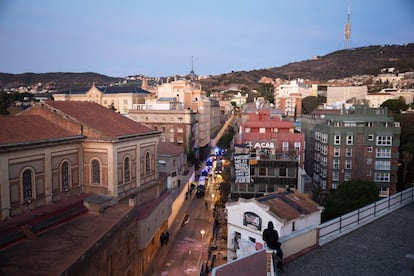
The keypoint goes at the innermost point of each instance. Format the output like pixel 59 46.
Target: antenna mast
pixel 347 32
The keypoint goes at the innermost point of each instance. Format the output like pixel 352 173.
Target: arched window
pixel 147 163
pixel 127 170
pixel 64 176
pixel 96 172
pixel 27 185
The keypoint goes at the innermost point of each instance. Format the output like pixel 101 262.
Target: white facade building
pixel 247 218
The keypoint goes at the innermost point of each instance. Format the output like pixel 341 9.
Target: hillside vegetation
pixel 336 65
pixel 58 81
pixel 339 64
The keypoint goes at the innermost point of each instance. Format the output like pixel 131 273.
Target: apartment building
pixel 183 113
pixel 288 96
pixel 268 154
pixel 361 143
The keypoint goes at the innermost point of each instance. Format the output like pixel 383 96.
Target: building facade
pixel 247 218
pixel 268 154
pixel 183 113
pixel 56 152
pixel 361 143
pixel 288 96
pixel 119 98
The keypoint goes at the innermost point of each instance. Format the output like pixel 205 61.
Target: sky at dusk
pixel 160 37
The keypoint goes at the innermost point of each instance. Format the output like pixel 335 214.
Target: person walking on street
pixel 271 237
pixel 167 236
pixel 162 238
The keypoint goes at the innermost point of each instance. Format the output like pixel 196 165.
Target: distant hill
pixel 339 64
pixel 58 81
pixel 336 65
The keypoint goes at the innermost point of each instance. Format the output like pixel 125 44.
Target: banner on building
pixel 242 168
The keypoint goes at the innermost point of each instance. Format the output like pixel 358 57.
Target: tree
pixel 311 102
pixel 395 105
pixel 268 92
pixel 348 197
pixel 407 154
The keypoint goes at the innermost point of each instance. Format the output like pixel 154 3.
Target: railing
pixel 346 223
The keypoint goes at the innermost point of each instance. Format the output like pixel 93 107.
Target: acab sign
pixel 261 145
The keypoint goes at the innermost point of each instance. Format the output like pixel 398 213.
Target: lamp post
pixel 202 232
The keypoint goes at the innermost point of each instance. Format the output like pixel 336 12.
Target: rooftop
pixel 99 118
pixel 383 247
pixel 30 129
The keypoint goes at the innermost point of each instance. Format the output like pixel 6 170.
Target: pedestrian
pixel 162 238
pixel 271 237
pixel 167 237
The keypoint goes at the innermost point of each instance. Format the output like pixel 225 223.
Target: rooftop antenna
pixel 347 32
pixel 192 74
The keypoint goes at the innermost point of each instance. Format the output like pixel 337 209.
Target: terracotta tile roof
pixel 100 118
pixel 254 264
pixel 288 205
pixel 32 128
pixel 168 148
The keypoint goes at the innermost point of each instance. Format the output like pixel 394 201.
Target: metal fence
pixel 346 223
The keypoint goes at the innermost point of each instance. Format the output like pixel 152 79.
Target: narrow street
pixel 188 245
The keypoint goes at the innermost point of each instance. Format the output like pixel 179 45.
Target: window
pixel 337 151
pixel 347 176
pixel 335 164
pixel 369 124
pixel 127 170
pixel 335 176
pixel 369 161
pixel 262 130
pixel 382 165
pixel 349 140
pixel 383 153
pixel 247 130
pixel 348 152
pixel 271 171
pixel 147 163
pixel 96 172
pixel 384 140
pixel 285 146
pixel 382 177
pixel 337 139
pixel 125 101
pixel 282 171
pixel 262 171
pixel 371 137
pixel 348 164
pixel 27 184
pixel 370 149
pixel 64 176
pixel 297 146
pixel 180 130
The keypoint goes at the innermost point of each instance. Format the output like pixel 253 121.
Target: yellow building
pixel 120 98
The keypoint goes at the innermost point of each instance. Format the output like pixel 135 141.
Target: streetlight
pixel 202 232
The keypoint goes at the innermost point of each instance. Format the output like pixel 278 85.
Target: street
pixel 188 246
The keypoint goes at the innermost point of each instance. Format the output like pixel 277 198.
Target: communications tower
pixel 347 33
